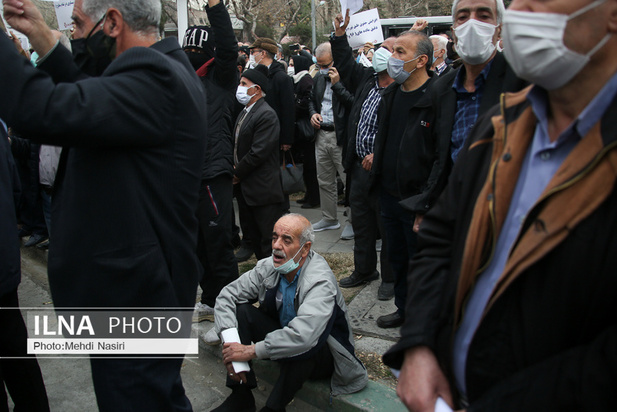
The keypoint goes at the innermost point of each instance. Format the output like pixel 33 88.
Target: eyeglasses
pixel 325 66
pixel 254 51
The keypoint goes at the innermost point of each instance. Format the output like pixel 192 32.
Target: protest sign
pixel 364 27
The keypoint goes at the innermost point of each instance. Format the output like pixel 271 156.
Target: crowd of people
pixel 483 159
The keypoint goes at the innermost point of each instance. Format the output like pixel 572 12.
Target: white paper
pixel 353 5
pixel 64 11
pixel 442 406
pixel 364 27
pixel 231 336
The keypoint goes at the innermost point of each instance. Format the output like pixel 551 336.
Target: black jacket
pixel 442 103
pixel 341 102
pixel 359 80
pixel 280 97
pixel 258 156
pixel 417 150
pixel 10 268
pixel 220 81
pixel 547 341
pixel 132 176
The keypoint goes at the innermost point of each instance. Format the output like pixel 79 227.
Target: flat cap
pixel 266 44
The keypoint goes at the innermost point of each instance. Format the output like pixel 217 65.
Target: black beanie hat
pixel 301 63
pixel 258 75
pixel 200 37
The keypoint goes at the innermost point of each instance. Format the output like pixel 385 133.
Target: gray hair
pixel 423 45
pixel 323 49
pixel 307 235
pixel 442 42
pixel 501 9
pixel 141 16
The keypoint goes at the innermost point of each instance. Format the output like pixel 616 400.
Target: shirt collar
pixel 591 114
pixel 460 76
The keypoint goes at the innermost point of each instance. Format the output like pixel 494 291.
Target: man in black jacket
pixel 366 83
pixel 458 97
pixel 514 302
pixel 409 66
pixel 131 177
pixel 213 52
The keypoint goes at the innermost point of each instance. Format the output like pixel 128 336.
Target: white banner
pixel 364 27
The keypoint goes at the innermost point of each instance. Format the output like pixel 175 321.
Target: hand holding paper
pixel 233 350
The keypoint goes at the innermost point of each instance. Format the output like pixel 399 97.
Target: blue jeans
pixel 402 243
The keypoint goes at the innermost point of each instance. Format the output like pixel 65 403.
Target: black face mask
pixel 94 53
pixel 197 59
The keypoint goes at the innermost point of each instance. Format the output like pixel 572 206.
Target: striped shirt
pixel 367 125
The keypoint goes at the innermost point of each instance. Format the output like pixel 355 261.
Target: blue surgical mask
pixel 380 59
pixel 290 265
pixel 396 69
pixel 324 71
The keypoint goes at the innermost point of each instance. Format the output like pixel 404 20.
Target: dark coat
pixel 442 103
pixel 280 97
pixel 220 81
pixel 258 156
pixel 10 262
pixel 127 192
pixel 547 339
pixel 341 102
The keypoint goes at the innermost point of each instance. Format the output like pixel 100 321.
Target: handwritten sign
pixel 364 27
pixel 353 5
pixel 64 11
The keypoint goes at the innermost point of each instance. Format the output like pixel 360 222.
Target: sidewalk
pixel 69 385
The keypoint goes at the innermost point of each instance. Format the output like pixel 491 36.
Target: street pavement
pixel 69 384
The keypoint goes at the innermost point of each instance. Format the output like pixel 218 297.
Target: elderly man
pixel 515 292
pixel 301 322
pixel 440 44
pixel 460 96
pixel 129 182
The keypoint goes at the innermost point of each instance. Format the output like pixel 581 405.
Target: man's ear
pixel 114 23
pixel 306 249
pixel 497 35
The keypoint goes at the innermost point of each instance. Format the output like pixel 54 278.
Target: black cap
pixel 199 37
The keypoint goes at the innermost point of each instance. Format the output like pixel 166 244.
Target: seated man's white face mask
pixel 290 265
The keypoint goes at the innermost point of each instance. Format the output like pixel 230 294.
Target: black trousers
pixel 253 326
pixel 367 225
pixel 214 245
pixel 257 223
pixel 22 377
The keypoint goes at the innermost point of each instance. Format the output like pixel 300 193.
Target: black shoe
pixel 393 320
pixel 301 201
pixel 309 205
pixel 240 400
pixel 243 254
pixel 386 291
pixel 35 240
pixel 356 279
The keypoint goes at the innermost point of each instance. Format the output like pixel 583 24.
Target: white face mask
pixel 533 45
pixel 242 96
pixel 474 41
pixel 291 71
pixel 380 59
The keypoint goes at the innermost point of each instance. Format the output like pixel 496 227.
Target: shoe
pixel 203 312
pixel 243 254
pixel 240 400
pixel 347 232
pixel 324 224
pixel 35 240
pixel 44 245
pixel 393 320
pixel 355 279
pixel 211 338
pixel 309 206
pixel 301 201
pixel 386 291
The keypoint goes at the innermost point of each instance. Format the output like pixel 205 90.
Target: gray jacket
pixel 321 316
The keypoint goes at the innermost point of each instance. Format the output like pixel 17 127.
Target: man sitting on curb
pixel 301 322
